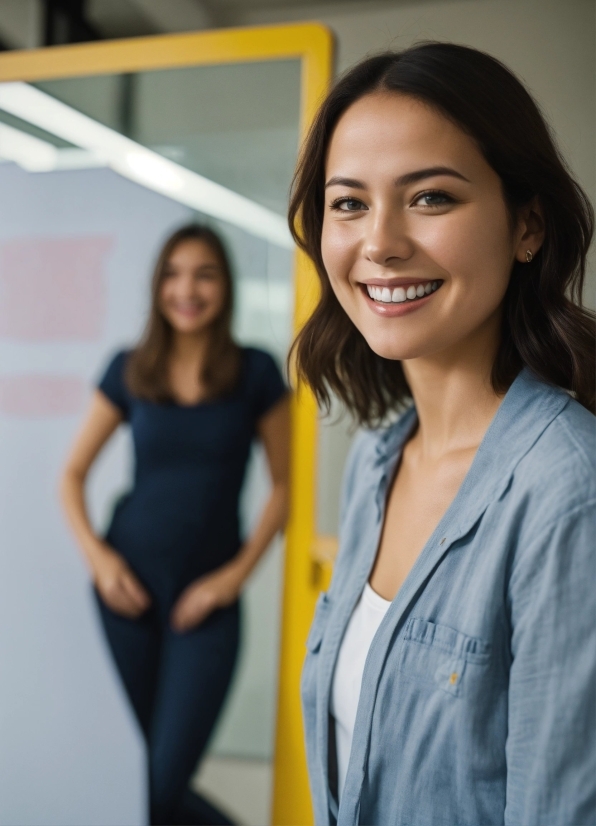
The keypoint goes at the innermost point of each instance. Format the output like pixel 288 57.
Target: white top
pixel 347 679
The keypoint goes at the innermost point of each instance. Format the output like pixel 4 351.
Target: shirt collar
pixel 527 409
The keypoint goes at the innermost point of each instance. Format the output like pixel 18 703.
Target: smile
pixel 397 295
pixel 187 309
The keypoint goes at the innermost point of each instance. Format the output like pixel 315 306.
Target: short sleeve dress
pixel 181 518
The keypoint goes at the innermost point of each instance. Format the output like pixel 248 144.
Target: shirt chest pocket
pixel 443 658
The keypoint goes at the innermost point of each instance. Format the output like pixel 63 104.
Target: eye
pixel 207 274
pixel 347 205
pixel 433 198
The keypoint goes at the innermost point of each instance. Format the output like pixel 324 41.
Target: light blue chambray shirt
pixel 478 701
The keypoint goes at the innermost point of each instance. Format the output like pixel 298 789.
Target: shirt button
pixel 442 540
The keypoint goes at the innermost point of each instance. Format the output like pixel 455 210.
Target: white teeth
pixel 399 294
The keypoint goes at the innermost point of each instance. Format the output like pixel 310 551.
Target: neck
pixel 453 394
pixel 189 348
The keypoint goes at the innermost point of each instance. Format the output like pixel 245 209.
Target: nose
pixel 387 240
pixel 186 286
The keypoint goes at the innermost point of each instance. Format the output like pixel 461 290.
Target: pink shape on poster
pixel 41 396
pixel 53 289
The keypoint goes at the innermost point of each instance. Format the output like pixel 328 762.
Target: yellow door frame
pixel 312 44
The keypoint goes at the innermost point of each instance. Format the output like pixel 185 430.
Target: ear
pixel 530 230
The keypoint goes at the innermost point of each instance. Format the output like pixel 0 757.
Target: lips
pixel 187 309
pixel 399 294
pixel 391 300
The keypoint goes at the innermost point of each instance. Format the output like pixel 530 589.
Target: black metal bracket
pixel 65 22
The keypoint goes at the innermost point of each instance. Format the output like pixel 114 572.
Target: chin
pixel 182 324
pixel 393 347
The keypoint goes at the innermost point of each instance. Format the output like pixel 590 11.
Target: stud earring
pixel 529 256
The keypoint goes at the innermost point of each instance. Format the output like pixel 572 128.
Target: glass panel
pixel 80 228
pixel 236 125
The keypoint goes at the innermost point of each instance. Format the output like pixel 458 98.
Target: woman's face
pixel 192 292
pixel 416 240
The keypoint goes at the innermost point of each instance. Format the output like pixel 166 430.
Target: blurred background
pixel 71 225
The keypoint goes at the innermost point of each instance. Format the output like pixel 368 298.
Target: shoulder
pixel 115 365
pixel 260 368
pixel 548 510
pixel 257 361
pixel 262 380
pixel 553 518
pixel 120 358
pixel 113 383
pixel 574 430
pixel 557 476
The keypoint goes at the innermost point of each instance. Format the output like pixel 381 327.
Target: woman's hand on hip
pixel 118 587
pixel 217 589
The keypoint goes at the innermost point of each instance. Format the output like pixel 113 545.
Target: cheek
pixel 165 293
pixel 338 250
pixel 476 256
pixel 214 295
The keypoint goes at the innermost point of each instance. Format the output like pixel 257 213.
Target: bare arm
pixel 116 583
pixel 222 587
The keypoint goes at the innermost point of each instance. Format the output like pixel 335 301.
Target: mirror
pixel 96 172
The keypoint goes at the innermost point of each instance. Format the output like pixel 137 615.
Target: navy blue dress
pixel 181 521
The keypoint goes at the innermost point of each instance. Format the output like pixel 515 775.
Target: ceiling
pixel 117 18
pixel 21 21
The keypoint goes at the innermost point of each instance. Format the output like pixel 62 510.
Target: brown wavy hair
pixel 544 326
pixel 147 367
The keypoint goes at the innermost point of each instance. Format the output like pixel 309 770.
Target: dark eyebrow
pixel 404 180
pixel 431 172
pixel 351 182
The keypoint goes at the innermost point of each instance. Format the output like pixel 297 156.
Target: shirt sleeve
pixel 269 386
pixel 551 759
pixel 113 386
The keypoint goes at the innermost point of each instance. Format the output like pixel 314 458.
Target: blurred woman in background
pixel 169 572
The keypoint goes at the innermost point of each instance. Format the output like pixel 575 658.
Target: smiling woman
pixel 450 674
pixel 170 569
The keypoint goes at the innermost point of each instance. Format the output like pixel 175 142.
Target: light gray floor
pixel 240 786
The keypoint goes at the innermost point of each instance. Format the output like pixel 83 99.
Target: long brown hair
pixel 545 326
pixel 147 367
